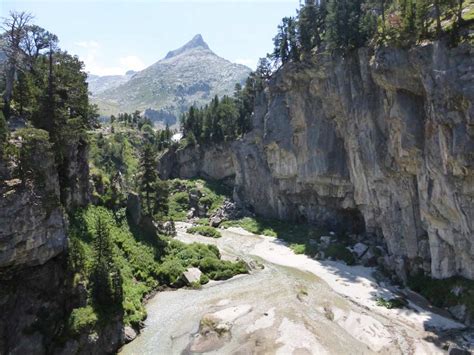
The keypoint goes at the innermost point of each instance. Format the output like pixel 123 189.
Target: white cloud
pixel 251 63
pixel 91 57
pixel 132 62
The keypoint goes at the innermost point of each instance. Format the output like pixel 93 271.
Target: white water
pixel 295 305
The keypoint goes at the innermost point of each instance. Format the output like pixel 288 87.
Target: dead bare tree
pixel 15 28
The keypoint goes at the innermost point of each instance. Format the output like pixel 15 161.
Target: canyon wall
pixel 37 290
pixel 381 141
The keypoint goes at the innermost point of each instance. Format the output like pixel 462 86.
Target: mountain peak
pixel 196 42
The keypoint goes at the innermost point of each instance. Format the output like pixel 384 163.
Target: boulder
pixel 325 240
pixel 192 275
pixel 360 249
pixel 129 334
pixel 459 312
pixel 456 350
pixel 191 213
pixel 369 258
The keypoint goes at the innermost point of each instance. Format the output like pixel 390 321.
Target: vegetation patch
pixel 397 302
pixel 339 251
pixel 298 248
pixel 212 195
pixel 205 257
pixel 302 238
pixel 82 319
pixel 206 231
pixel 445 293
pixel 142 262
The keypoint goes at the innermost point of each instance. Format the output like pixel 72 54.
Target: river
pixel 293 305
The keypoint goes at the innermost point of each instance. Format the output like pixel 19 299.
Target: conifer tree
pixel 102 286
pixel 149 178
pixel 422 7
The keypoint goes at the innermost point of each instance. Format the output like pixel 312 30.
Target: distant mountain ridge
pixel 190 75
pixel 98 83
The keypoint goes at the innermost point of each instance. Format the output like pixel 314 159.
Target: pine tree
pixel 149 178
pixel 308 27
pixel 161 198
pixel 408 18
pixel 102 286
pixel 281 43
pixel 422 7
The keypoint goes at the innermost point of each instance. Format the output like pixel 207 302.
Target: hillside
pixel 98 84
pixel 192 74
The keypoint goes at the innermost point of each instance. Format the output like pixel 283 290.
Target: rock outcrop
pixel 32 220
pixel 380 141
pixel 383 138
pixel 212 162
pixel 37 291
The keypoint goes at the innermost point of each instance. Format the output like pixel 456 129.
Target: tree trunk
pixel 382 3
pixel 438 17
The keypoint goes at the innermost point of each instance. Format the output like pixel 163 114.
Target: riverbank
pixel 295 305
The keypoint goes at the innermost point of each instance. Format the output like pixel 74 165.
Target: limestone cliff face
pixel 32 220
pixel 213 162
pixel 33 208
pixel 384 140
pixel 381 141
pixel 36 291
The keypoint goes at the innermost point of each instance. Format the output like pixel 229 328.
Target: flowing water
pixel 282 308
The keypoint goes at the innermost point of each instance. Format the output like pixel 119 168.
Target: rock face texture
pixel 32 220
pixel 37 291
pixel 378 141
pixel 383 140
pixel 213 162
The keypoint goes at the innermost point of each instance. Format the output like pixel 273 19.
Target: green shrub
pixel 206 231
pixel 298 248
pixel 178 205
pixel 397 302
pixel 204 257
pixel 445 293
pixel 340 252
pixel 136 259
pixel 206 201
pixel 170 272
pixel 182 198
pixel 204 279
pixel 82 319
pixel 35 142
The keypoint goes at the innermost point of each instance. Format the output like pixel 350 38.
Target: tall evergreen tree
pixel 149 178
pixel 103 288
pixel 422 8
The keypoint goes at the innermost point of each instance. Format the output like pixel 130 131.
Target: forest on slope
pixel 117 215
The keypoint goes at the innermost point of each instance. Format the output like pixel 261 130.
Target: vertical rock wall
pixel 382 139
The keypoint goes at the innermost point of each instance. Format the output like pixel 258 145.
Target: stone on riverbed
pixel 214 328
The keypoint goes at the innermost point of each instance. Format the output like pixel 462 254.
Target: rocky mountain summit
pixel 191 74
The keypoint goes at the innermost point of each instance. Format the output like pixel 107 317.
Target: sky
pixel 111 37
